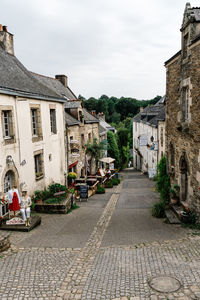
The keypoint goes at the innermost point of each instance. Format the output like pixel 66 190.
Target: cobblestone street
pixel 109 248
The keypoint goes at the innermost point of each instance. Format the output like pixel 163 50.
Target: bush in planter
pixel 109 184
pixel 57 187
pixel 115 181
pixel 100 189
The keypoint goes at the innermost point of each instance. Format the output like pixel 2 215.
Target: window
pixel 185 45
pixel 161 137
pixel 38 159
pixel 71 138
pixel 89 137
pixel 82 139
pixel 185 104
pixel 53 121
pixel 7 124
pixel 36 123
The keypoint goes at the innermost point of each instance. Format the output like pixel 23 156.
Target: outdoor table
pixel 91 181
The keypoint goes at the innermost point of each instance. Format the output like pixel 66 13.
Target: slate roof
pixel 152 114
pixel 105 125
pixel 56 86
pixel 88 117
pixel 73 104
pixel 15 79
pixel 70 121
pixel 196 12
pixel 102 130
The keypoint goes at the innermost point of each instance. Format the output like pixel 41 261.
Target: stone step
pixel 172 217
pixel 177 209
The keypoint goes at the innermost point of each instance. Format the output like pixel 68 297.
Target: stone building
pixel 32 148
pixel 182 111
pixel 148 137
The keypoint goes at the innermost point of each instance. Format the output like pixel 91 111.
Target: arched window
pixel 9 181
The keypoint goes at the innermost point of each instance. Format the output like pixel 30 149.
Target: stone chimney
pixel 141 109
pixel 62 79
pixel 6 40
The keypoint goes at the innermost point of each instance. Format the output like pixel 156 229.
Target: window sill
pixel 39 177
pixel 36 138
pixel 9 140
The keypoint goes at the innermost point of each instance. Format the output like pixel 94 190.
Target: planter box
pixel 57 208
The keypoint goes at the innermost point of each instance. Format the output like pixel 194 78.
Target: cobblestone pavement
pixel 102 269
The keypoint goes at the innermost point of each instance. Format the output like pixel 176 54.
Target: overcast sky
pixel 112 47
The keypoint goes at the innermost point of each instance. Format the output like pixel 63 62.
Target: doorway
pixel 184 178
pixel 9 181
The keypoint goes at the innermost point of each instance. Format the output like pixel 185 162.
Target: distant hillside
pixel 117 109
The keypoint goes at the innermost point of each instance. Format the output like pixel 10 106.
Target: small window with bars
pixel 53 121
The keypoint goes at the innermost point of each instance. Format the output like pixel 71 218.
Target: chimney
pixel 62 79
pixel 93 112
pixel 141 109
pixel 6 40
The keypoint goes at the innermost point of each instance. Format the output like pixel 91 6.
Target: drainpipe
pixel 67 144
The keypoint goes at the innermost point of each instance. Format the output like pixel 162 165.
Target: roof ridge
pixel 43 75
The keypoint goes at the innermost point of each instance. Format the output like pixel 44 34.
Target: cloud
pixel 114 47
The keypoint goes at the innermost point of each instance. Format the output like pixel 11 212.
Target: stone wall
pixel 184 136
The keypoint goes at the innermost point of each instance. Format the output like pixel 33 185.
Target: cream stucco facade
pixel 17 161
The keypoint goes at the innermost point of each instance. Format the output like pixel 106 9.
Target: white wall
pixel 149 157
pixel 24 148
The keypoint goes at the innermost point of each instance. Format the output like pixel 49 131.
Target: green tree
pixel 95 150
pixel 113 150
pixel 123 145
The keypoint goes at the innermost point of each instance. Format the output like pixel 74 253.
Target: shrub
pixel 57 187
pixel 72 175
pixel 100 189
pixel 109 184
pixel 115 181
pixel 162 180
pixel 158 210
pixel 54 200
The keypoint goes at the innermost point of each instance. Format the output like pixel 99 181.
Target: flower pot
pixel 173 201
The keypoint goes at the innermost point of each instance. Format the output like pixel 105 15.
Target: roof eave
pixel 29 95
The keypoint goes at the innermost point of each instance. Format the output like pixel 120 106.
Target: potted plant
pixel 72 175
pixel 174 194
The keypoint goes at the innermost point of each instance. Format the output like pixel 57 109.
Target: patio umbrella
pixel 107 160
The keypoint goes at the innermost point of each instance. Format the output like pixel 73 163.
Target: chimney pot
pixel 141 109
pixel 62 79
pixel 6 40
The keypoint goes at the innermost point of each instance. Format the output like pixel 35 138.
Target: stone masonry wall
pixel 185 138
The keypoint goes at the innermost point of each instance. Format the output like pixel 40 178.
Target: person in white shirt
pixel 14 199
pixel 25 207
